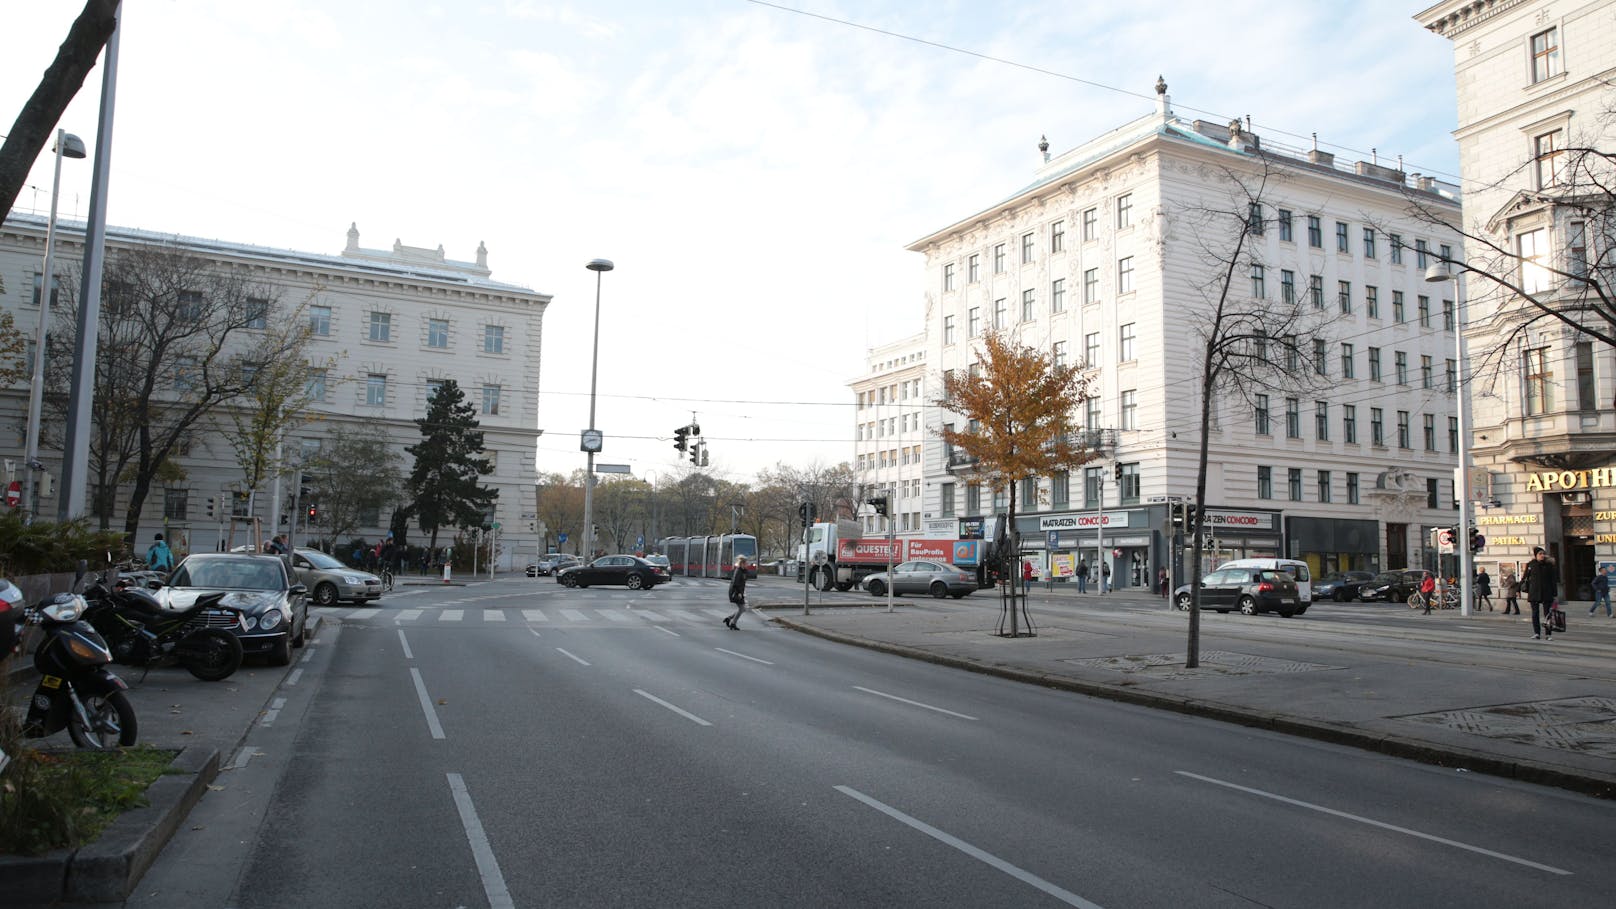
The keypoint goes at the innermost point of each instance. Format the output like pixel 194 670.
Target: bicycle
pixel 1447 599
pixel 387 580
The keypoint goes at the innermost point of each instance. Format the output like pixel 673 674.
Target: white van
pixel 1297 570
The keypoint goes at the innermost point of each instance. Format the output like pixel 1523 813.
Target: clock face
pixel 590 440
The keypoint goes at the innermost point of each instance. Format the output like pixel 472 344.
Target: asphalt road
pixel 611 748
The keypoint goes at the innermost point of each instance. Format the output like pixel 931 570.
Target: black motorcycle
pixel 75 690
pixel 142 633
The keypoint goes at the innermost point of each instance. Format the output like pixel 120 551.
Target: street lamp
pixel 591 439
pixel 1438 273
pixel 67 146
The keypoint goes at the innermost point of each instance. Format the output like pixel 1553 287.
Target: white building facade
pixel 1097 262
pixel 889 440
pixel 1534 82
pixel 388 325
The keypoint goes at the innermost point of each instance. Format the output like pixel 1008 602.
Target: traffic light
pixel 807 512
pixel 314 512
pixel 210 507
pixel 1118 470
pixel 681 438
pixel 695 429
pixel 1178 517
pixel 879 503
pixel 1189 518
pixel 704 455
pixel 1477 541
pixel 695 454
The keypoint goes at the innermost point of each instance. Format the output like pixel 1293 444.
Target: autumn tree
pixel 561 508
pixel 13 349
pixel 443 483
pixel 357 473
pixel 622 511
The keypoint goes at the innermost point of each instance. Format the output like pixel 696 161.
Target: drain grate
pixel 1583 725
pixel 1213 662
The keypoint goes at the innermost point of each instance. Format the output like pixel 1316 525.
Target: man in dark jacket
pixel 737 592
pixel 1542 582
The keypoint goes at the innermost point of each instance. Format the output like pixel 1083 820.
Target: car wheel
pixel 878 589
pixel 281 653
pixel 635 582
pixel 1183 602
pixel 939 590
pixel 325 594
pixel 1248 606
pixel 569 581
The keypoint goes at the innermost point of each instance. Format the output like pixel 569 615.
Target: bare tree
pixel 349 454
pixel 561 507
pixel 621 510
pixel 13 346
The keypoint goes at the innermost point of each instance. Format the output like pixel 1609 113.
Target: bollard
pixel 445 572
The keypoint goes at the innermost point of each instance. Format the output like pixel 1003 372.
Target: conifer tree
pixel 448 461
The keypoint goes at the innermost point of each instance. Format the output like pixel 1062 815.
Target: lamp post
pixel 1438 273
pixel 67 146
pixel 591 439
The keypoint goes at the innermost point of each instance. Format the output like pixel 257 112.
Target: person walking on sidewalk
pixel 1161 581
pixel 1484 590
pixel 1428 591
pixel 1082 576
pixel 1510 588
pixel 1601 586
pixel 1541 585
pixel 737 592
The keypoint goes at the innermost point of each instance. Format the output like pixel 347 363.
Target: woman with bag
pixel 1510 587
pixel 737 593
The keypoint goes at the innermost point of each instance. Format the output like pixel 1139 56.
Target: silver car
pixel 329 581
pixel 940 579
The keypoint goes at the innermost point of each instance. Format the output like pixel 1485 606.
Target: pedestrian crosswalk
pixel 620 616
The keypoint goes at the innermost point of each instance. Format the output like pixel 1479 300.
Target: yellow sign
pixel 1496 519
pixel 1550 480
pixel 1062 565
pixel 1605 538
pixel 1506 541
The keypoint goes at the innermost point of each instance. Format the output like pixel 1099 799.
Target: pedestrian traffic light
pixel 1178 517
pixel 879 503
pixel 1477 541
pixel 681 438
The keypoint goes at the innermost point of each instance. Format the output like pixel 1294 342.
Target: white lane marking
pixel 451 615
pixel 408 654
pixel 1026 877
pixel 668 630
pixel 493 615
pixel 293 676
pixel 535 615
pixel 408 615
pixel 493 882
pixel 686 714
pixel 581 661
pixel 652 615
pixel 743 656
pixel 308 653
pixel 273 712
pixel 426 705
pixel 911 703
pixel 245 754
pixel 573 615
pixel 535 633
pixel 613 616
pixel 1374 823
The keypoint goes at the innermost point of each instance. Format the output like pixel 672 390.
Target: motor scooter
pixel 76 691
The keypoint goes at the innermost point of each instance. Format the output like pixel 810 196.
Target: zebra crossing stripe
pixel 451 615
pixel 614 616
pixel 408 615
pixel 653 616
pixel 494 615
pixel 573 615
pixel 535 615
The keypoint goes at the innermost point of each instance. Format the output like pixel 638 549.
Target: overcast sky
pixel 754 172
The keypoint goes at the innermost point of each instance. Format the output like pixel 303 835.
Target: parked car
pixel 273 601
pixel 1393 586
pixel 551 563
pixel 658 559
pixel 1341 586
pixel 330 581
pixel 940 579
pixel 1250 590
pixel 631 571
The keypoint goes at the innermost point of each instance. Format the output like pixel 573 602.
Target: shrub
pixel 47 547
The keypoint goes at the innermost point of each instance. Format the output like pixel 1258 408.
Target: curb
pixel 1528 771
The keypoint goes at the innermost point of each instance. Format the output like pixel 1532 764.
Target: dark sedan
pixel 1250 590
pixel 1393 586
pixel 274 605
pixel 1341 586
pixel 632 572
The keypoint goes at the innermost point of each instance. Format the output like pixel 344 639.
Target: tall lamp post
pixel 67 146
pixel 1436 274
pixel 591 439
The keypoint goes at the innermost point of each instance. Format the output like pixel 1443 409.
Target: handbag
pixel 1557 616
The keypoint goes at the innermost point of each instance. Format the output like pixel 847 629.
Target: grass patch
pixel 50 800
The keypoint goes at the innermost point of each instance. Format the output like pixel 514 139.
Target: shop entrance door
pixel 1396 546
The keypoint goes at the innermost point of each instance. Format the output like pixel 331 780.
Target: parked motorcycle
pixel 75 690
pixel 140 632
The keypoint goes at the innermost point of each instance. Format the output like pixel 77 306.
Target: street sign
pixel 612 468
pixel 562 536
pixel 496 525
pixel 639 541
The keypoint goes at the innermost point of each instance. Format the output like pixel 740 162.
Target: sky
pixel 754 170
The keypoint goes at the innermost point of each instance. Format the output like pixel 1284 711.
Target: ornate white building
pixel 391 322
pixel 1098 262
pixel 889 438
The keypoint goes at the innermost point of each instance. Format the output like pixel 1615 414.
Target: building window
pixel 1057 237
pixel 1130 410
pixel 1422 253
pixel 257 314
pixel 1058 354
pixel 1125 275
pixel 973 321
pixel 1349 424
pixel 1315 232
pixel 1371 300
pixel 314 385
pixel 184 373
pixel 1403 440
pixel 1586 399
pixel 1060 489
pixel 1324 486
pixel 1548 154
pixel 1125 210
pixel 1352 489
pixel 973 499
pixel 376 390
pixel 948 277
pixel 1027 240
pixel 973 268
pixel 1539 381
pixel 998 258
pixel 1321 420
pixel 1343 297
pixel 1397 306
pixel 1532 248
pixel 1348 370
pixel 1125 336
pixel 948 330
pixel 493 339
pixel 190 305
pixel 1342 243
pixel 1545 55
pixel 320 320
pixel 999 310
pixel 1400 364
pixel 1315 290
pixel 1377 427
pixel 381 326
pixel 1091 414
pixel 1429 427
pixel 1447 315
pixel 39 286
pixel 491 400
pixel 1262 415
pixel 1321 357
pixel 1395 242
pixel 1091 217
pixel 1093 477
pixel 1259 287
pixel 1374 364
pixel 1369 242
pixel 1287 286
pixel 1265 482
pixel 1293 418
pixel 174 503
pixel 1259 346
pixel 1431 492
pixel 1091 349
pixel 1283 219
pixel 1091 285
pixel 437 333
pixel 948 500
pixel 1453 435
pixel 1293 483
pixel 1452 374
pixel 1293 354
pixel 1130 484
pixel 1427 372
pixel 1057 295
pixel 1027 305
pixel 1254 219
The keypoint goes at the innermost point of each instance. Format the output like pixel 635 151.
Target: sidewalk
pixel 1473 693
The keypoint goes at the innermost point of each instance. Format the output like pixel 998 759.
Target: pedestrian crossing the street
pixel 618 616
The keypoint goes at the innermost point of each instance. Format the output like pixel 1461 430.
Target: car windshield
pixel 319 559
pixel 238 574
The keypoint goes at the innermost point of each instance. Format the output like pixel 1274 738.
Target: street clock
pixel 590 440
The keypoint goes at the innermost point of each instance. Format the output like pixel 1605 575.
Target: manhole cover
pixel 1583 725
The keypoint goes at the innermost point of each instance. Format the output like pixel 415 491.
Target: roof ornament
pixel 1164 107
pixel 1043 147
pixel 1161 85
